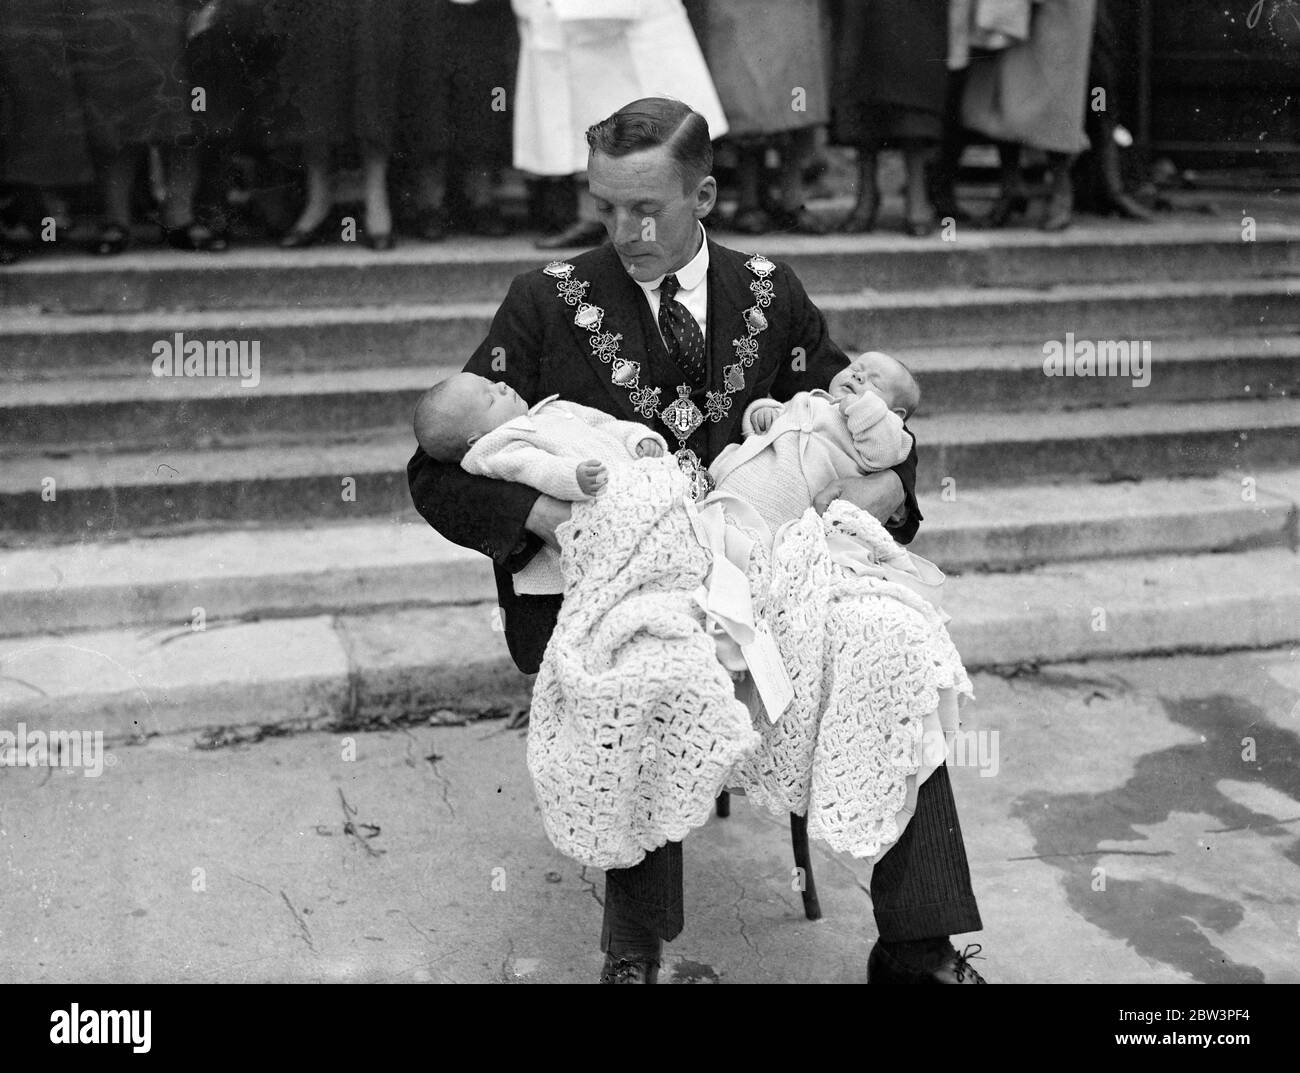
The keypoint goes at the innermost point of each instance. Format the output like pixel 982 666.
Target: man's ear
pixel 901 411
pixel 706 196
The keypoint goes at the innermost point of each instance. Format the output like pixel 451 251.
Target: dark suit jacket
pixel 535 346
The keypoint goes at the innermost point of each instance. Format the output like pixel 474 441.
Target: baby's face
pixel 874 372
pixel 482 405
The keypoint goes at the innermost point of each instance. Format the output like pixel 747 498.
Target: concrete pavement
pixel 1131 821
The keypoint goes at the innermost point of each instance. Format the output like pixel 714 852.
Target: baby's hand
pixel 591 477
pixel 762 418
pixel 649 448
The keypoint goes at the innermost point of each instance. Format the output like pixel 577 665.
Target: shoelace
pixel 961 966
pixel 625 967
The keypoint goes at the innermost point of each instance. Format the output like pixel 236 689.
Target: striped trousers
pixel 920 889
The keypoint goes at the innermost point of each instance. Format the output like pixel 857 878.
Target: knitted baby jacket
pixel 809 445
pixel 542 449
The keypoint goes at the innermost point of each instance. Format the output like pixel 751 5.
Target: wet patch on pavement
pixel 1175 909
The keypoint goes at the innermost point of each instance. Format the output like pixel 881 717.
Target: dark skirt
pixel 43 139
pixel 106 74
pixel 458 81
pixel 759 52
pixel 339 70
pixel 891 72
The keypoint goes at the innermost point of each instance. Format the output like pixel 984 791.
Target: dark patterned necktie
pixel 682 335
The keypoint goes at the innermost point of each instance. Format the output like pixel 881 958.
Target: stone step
pixel 141 412
pixel 96 495
pixel 167 582
pixel 1127 443
pixel 447 663
pixel 479 270
pixel 291 339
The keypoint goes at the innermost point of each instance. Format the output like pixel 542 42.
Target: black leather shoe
pixel 919 227
pixel 297 238
pixel 621 970
pixel 488 222
pixel 581 234
pixel 800 221
pixel 111 240
pixel 949 967
pixel 430 224
pixel 1060 205
pixel 195 237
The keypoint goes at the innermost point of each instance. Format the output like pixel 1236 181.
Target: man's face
pixel 649 218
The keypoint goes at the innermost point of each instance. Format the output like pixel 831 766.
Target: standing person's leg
pixel 943 175
pixel 1060 196
pixel 918 213
pixel 117 173
pixel 315 212
pixel 379 217
pixel 182 230
pixel 921 894
pixel 796 149
pixel 863 216
pixel 1012 199
pixel 643 907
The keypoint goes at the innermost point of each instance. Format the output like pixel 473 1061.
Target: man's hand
pixel 763 417
pixel 649 448
pixel 879 494
pixel 592 476
pixel 547 514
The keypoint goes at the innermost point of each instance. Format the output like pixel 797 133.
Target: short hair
pixel 435 428
pixel 655 121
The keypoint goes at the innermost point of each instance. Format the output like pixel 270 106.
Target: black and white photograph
pixel 650 492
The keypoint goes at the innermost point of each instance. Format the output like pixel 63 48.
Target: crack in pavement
pixel 591 886
pixel 253 883
pixel 415 927
pixel 350 829
pixel 822 852
pixel 505 962
pixel 443 781
pixel 1099 853
pixel 302 924
pixel 740 919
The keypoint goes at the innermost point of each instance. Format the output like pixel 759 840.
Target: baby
pixel 486 427
pixel 792 451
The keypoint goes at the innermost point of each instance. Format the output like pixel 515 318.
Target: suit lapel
pixel 625 314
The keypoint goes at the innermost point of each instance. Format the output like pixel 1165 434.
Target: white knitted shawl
pixel 635 724
pixel 875 677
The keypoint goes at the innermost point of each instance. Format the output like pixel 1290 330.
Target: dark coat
pixel 535 346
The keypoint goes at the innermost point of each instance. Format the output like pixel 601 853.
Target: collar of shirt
pixel 693 290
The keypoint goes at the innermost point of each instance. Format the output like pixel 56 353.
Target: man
pixel 664 326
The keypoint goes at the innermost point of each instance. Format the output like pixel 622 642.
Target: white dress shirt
pixel 693 278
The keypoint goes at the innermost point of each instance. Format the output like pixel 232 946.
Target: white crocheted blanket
pixel 875 677
pixel 635 725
